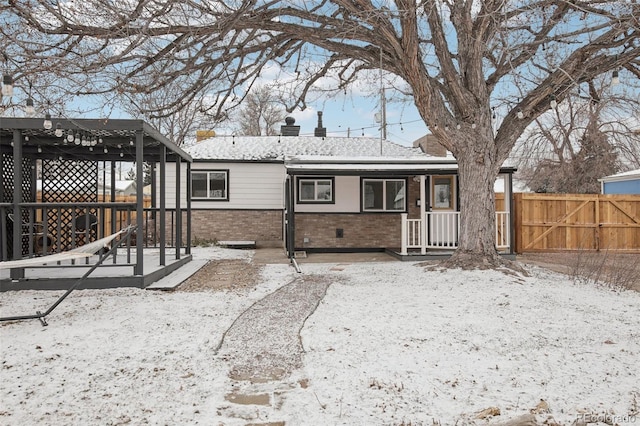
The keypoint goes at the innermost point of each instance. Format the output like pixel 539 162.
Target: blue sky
pixel 357 116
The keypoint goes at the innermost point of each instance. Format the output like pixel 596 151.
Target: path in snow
pixel 263 343
pixel 263 347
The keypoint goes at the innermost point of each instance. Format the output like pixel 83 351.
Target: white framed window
pixel 384 195
pixel 210 185
pixel 316 190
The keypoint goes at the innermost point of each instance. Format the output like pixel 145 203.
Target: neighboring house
pixel 122 187
pixel 318 193
pixel 621 183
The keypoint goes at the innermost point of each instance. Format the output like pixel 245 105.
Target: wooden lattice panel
pixel 8 181
pixel 70 181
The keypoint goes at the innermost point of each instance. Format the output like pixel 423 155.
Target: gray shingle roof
pixel 277 148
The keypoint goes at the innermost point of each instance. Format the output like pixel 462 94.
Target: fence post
pixel 597 220
pixel 517 221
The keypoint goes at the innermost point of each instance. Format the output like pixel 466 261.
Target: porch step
pixel 238 244
pixel 178 276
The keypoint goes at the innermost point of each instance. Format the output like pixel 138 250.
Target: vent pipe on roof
pixel 289 129
pixel 320 132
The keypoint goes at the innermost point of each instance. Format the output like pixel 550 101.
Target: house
pixel 621 183
pixel 121 187
pixel 320 193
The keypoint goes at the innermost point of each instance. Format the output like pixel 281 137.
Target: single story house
pixel 332 194
pixel 621 183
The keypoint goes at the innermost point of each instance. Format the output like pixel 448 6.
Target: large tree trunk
pixel 476 241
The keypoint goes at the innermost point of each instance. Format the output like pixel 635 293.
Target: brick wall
pixel 414 194
pixel 360 230
pixel 365 230
pixel 262 226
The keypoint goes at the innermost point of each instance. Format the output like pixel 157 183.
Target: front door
pixel 443 215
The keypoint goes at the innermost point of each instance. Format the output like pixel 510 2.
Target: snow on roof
pixel 622 176
pixel 378 166
pixel 277 148
pixel 122 185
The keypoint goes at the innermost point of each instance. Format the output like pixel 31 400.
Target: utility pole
pixel 383 109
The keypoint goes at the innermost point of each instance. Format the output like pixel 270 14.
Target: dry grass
pixel 217 275
pixel 614 269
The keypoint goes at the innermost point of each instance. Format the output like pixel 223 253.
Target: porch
pixel 440 235
pixel 408 209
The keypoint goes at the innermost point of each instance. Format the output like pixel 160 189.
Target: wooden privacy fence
pixel 554 222
pixel 121 220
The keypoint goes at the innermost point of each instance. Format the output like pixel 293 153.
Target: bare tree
pixel 260 112
pixel 457 59
pixel 179 126
pixel 588 137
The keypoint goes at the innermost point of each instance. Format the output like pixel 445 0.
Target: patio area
pixel 57 193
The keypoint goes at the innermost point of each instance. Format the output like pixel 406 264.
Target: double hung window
pixel 210 185
pixel 315 190
pixel 384 195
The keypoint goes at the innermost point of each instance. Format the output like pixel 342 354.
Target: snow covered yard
pixel 390 344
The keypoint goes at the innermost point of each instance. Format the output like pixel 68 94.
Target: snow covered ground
pixel 390 344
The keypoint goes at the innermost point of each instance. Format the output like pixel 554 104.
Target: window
pixel 443 192
pixel 210 185
pixel 385 195
pixel 315 190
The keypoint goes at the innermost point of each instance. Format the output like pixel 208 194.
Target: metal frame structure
pixel 68 205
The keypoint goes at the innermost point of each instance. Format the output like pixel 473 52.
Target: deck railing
pixel 47 228
pixel 443 229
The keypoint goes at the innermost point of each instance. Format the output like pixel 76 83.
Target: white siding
pixel 347 197
pixel 170 184
pixel 251 186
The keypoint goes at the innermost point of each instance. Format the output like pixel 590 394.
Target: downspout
pixel 290 218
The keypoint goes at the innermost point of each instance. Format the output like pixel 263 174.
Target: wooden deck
pixel 62 275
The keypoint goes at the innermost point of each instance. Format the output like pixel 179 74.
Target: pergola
pixel 73 205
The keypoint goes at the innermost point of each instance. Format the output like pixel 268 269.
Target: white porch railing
pixel 503 231
pixel 443 229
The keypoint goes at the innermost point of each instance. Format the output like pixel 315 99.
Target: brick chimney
pixel 289 129
pixel 429 145
pixel 204 134
pixel 320 132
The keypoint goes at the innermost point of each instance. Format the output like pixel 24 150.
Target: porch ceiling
pixel 117 135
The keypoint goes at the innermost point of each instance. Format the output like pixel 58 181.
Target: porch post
pixel 511 204
pixel 178 230
pixel 423 215
pixel 139 269
pixel 17 273
pixel 403 234
pixel 162 227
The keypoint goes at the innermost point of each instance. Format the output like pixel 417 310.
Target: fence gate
pixel 547 222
